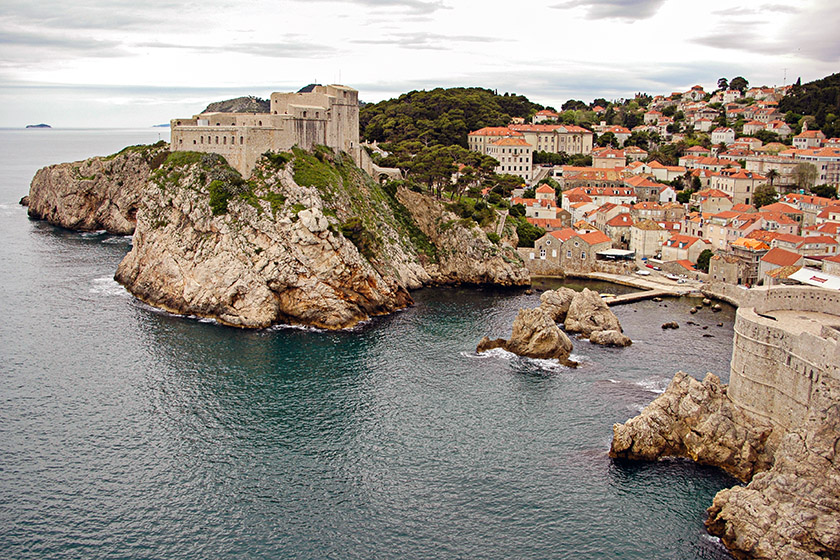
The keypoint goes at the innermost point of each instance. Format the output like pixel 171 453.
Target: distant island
pixel 42 125
pixel 166 125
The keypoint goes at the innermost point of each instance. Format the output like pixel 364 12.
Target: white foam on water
pixel 96 233
pixel 654 384
pixel 117 240
pixel 285 327
pixel 106 285
pixel 498 353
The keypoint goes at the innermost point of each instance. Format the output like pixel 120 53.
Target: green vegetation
pixel 826 191
pixel 441 116
pixel 527 232
pixel 154 154
pixel 355 232
pixel 703 260
pixel 764 194
pixel 820 98
pixel 278 159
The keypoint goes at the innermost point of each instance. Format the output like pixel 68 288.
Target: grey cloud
pixel 412 6
pixel 423 40
pixel 118 14
pixel 809 34
pixel 285 49
pixel 28 44
pixel 759 10
pixel 614 9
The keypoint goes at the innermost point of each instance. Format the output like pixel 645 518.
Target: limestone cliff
pixel 464 253
pixel 98 193
pixel 791 507
pixel 696 420
pixel 308 239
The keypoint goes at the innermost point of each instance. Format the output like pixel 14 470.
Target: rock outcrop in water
pixel 556 303
pixel 588 313
pixel 308 239
pixel 696 420
pixel 95 194
pixel 791 507
pixel 535 335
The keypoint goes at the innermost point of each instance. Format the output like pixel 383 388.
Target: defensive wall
pixel 323 115
pixel 786 353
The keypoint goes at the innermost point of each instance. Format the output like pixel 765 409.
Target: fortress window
pixel 224 139
pixel 217 139
pixel 180 140
pixel 304 114
pixel 178 123
pixel 241 140
pixel 194 142
pixel 259 123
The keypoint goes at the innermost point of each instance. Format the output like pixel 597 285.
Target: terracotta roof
pixel 686 264
pixel 783 271
pixel 595 237
pixel 790 238
pixel 752 244
pixel 510 142
pixel 495 131
pixel 563 234
pixel 781 207
pixel 780 257
pixel 622 220
pixel 648 225
pixel 545 189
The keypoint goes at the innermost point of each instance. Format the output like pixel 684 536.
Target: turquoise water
pixel 129 433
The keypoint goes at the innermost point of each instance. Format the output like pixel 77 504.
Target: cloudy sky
pixel 115 63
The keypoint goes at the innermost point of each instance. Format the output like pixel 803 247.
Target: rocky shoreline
pixel 309 239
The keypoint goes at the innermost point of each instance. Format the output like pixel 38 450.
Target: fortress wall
pixel 777 373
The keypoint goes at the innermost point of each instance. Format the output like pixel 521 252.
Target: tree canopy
pixel 441 116
pixel 820 98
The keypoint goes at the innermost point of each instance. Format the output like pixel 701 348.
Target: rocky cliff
pixel 308 239
pixel 464 253
pixel 791 507
pixel 248 104
pixel 98 193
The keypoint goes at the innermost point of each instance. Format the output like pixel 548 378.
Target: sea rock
pixel 556 303
pixel 464 253
pixel 698 421
pixel 98 193
pixel 671 325
pixel 535 335
pixel 24 201
pixel 588 313
pixel 609 338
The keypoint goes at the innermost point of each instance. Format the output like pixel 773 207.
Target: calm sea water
pixel 129 433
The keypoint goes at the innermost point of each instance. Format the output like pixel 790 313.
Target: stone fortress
pixel 786 353
pixel 315 115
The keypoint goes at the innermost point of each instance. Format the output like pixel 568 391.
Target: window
pixel 569 254
pixel 224 140
pixel 217 139
pixel 542 253
pixel 583 255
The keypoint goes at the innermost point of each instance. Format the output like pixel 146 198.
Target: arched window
pixel 217 139
pixel 194 141
pixel 224 140
pixel 241 140
pixel 259 123
pixel 202 139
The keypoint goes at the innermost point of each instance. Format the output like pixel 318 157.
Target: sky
pixel 129 63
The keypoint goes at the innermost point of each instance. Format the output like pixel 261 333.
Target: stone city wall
pixel 775 371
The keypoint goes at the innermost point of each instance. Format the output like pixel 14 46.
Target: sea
pixel 126 432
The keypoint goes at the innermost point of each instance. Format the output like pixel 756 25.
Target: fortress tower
pixel 327 115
